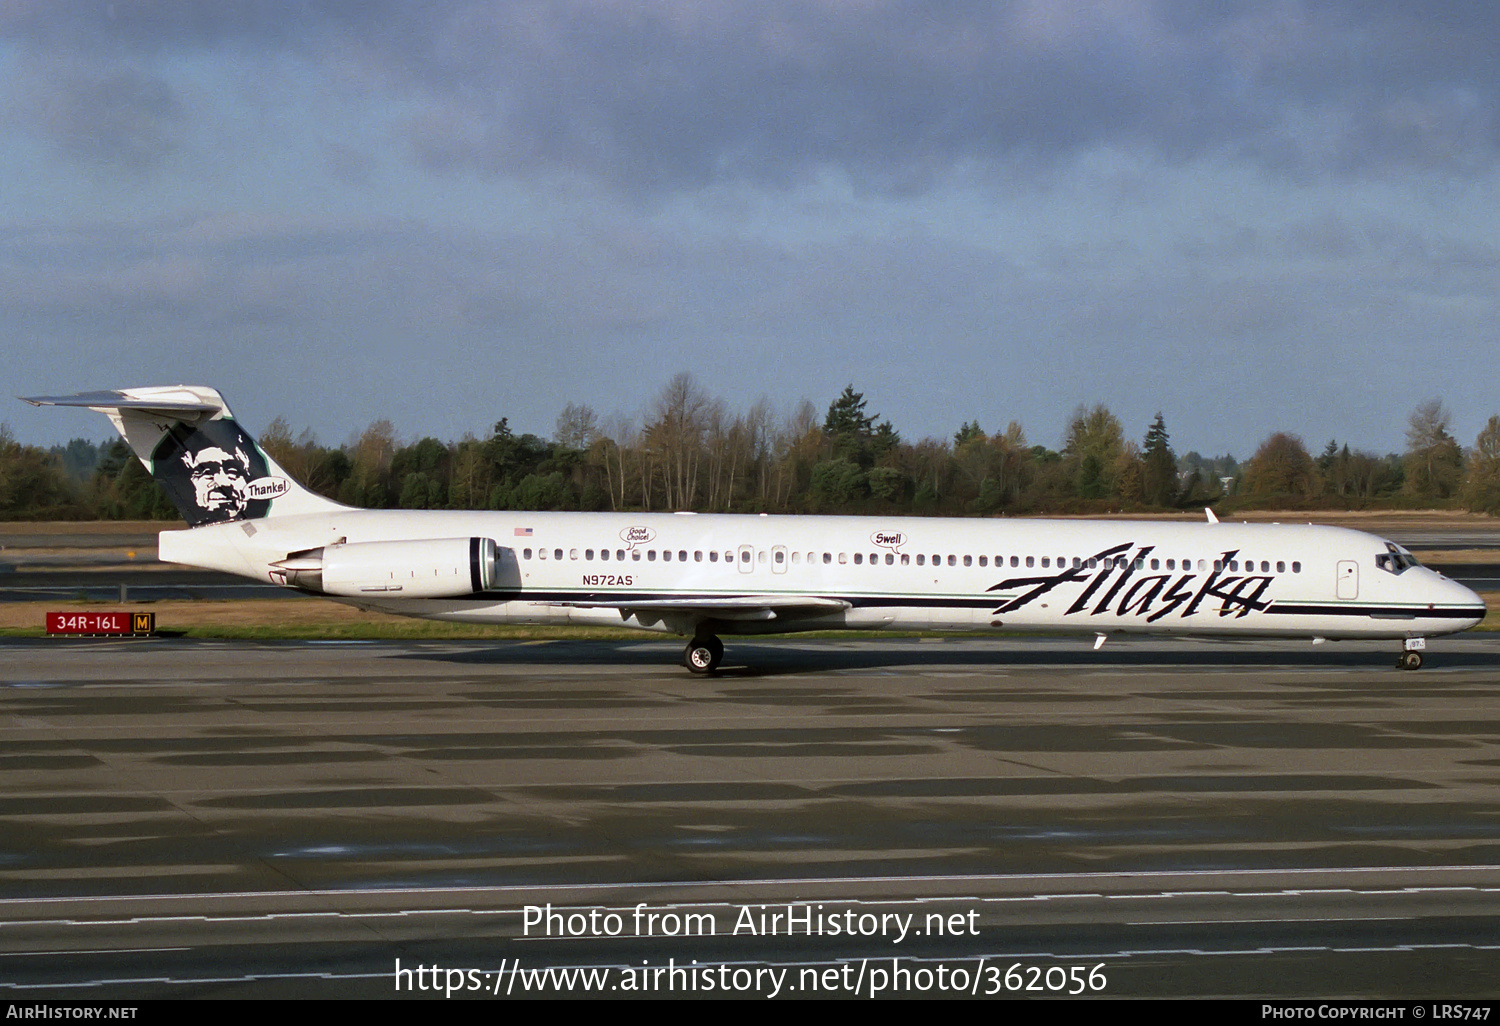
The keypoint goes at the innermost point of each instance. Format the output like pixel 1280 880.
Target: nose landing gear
pixel 1411 657
pixel 703 654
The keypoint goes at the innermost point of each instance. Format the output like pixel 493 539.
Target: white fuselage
pixel 737 574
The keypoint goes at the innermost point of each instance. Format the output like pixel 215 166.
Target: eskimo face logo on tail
pixel 213 473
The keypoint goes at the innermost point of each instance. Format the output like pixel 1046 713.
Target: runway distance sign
pixel 101 623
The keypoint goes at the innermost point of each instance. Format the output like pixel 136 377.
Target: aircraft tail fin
pixel 209 466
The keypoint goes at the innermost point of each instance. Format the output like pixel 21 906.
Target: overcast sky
pixel 1252 216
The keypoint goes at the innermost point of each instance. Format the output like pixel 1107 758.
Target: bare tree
pixel 577 427
pixel 676 433
pixel 296 456
pixel 1482 486
pixel 1434 462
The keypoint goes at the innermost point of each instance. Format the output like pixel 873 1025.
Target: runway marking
pixel 996 956
pixel 90 951
pixel 884 903
pixel 170 981
pixel 634 885
pixel 1223 922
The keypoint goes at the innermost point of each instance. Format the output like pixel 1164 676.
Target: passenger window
pixel 968 561
pixel 1296 567
pixel 526 553
pixel 1016 560
pixel 890 558
pixel 666 556
pixel 906 560
pixel 604 555
pixel 588 554
pixel 843 558
pixel 921 559
pixel 859 557
pixel 635 554
pixel 620 554
pixel 1030 561
pixel 984 560
pixel 1046 562
pixel 1156 564
pixel 828 557
pixel 780 556
pixel 697 555
pixel 713 557
pixel 1281 566
pixel 953 560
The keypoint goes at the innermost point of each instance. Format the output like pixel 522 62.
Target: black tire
pixel 1411 660
pixel 702 655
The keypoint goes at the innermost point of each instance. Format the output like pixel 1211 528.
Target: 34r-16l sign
pixel 101 623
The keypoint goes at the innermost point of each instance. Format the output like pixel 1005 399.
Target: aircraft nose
pixel 1468 606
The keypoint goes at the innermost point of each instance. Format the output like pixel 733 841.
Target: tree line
pixel 691 452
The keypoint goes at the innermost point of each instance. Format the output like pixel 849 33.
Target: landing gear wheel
pixel 703 655
pixel 1410 661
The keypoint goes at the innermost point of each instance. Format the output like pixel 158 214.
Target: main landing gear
pixel 703 654
pixel 1411 658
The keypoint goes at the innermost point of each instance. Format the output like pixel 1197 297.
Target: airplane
pixel 701 576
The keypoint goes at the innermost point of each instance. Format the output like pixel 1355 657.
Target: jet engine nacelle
pixel 437 568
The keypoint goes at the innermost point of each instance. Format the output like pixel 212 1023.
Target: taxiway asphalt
pixel 201 818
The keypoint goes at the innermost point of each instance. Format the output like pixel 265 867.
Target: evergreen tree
pixel 1159 466
pixel 970 431
pixel 846 416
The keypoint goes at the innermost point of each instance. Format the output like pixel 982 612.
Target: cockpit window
pixel 1395 559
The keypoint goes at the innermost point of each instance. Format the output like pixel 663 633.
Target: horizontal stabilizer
pixel 164 402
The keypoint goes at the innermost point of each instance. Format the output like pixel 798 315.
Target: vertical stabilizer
pixel 209 466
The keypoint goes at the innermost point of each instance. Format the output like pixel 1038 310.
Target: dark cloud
pixel 679 93
pixel 122 119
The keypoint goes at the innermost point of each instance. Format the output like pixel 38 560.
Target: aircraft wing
pixel 738 607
